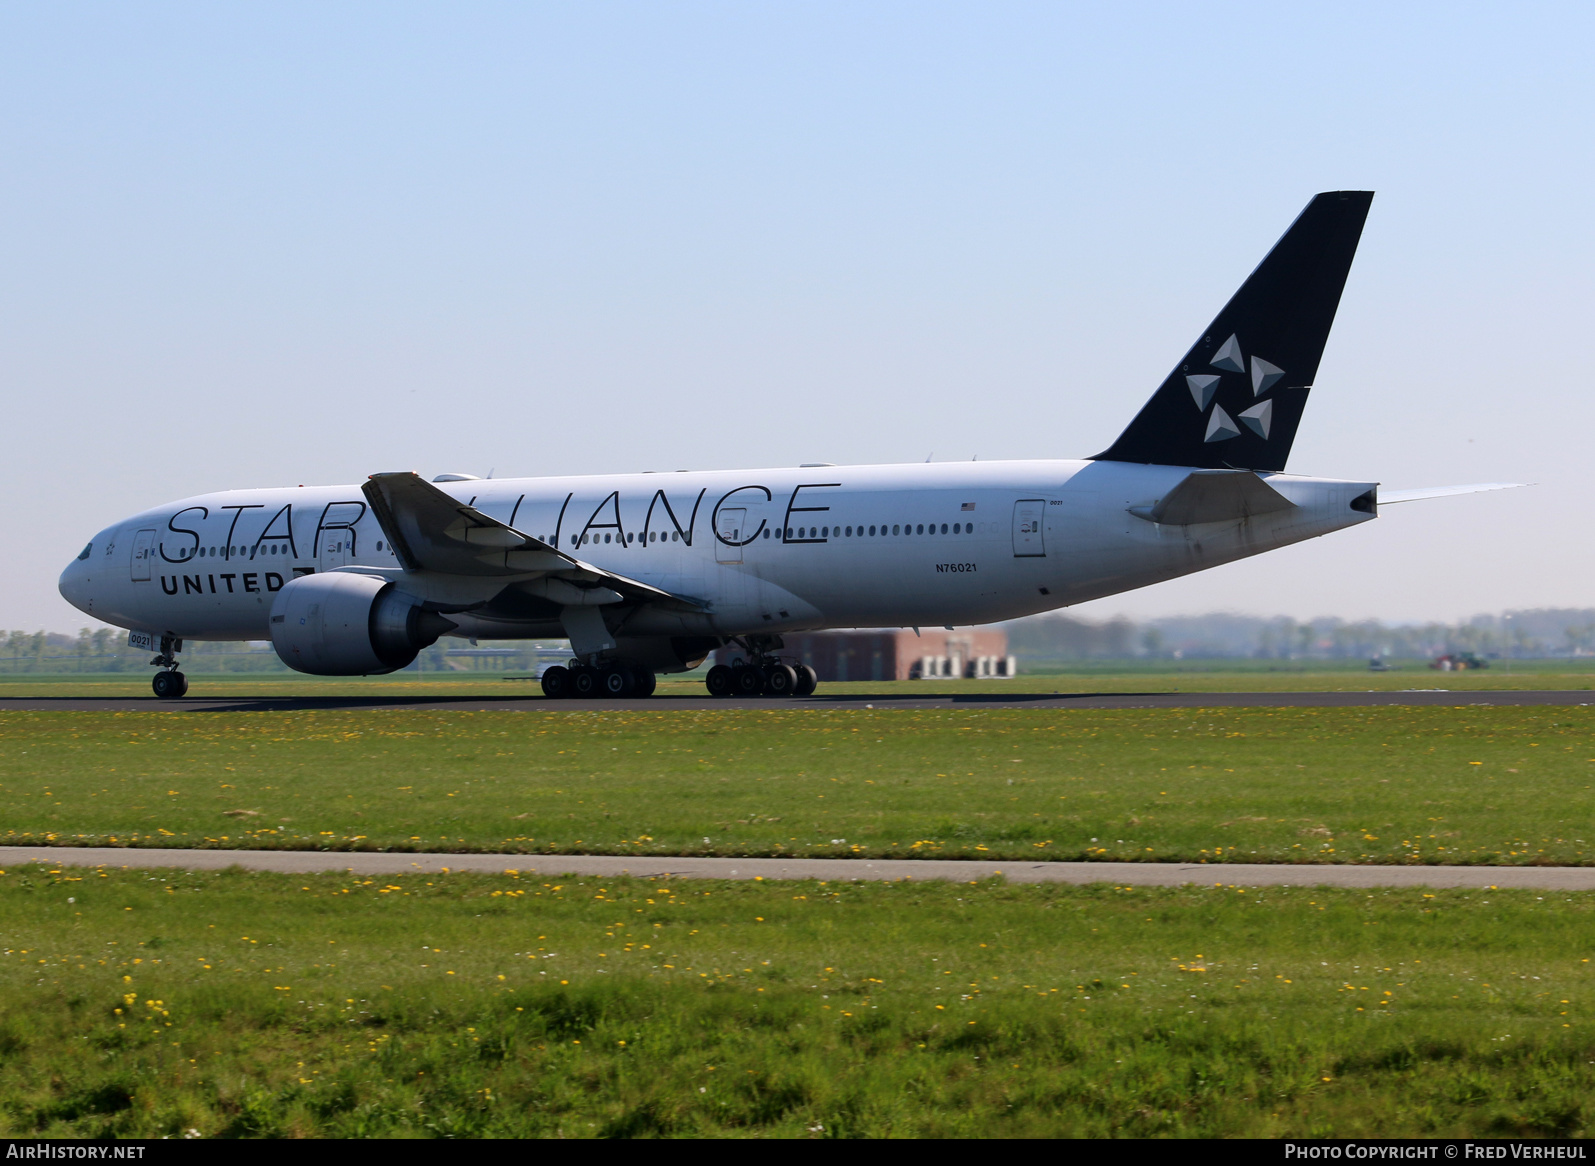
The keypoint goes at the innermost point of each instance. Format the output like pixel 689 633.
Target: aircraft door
pixel 729 532
pixel 334 549
pixel 143 555
pixel 1029 539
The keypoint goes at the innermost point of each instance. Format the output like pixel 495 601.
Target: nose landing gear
pixel 169 683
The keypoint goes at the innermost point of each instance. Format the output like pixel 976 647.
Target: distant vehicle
pixel 1378 665
pixel 649 573
pixel 1458 662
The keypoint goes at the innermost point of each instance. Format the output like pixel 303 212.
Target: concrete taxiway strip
pixel 1054 701
pixel 1146 874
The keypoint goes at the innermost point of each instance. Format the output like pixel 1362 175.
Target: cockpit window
pixel 86 551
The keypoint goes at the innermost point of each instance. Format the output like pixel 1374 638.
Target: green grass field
pixel 163 1003
pixel 152 1004
pixel 1406 785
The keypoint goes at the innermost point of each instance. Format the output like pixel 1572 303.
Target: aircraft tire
pixel 182 684
pixel 749 681
pixel 168 685
pixel 780 680
pixel 807 681
pixel 584 683
pixel 719 682
pixel 619 682
pixel 557 682
pixel 646 682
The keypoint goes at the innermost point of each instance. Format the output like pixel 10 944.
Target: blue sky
pixel 254 245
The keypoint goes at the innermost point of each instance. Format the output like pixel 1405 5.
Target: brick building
pixel 897 653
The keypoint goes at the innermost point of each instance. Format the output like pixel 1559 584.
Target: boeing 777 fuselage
pixel 648 573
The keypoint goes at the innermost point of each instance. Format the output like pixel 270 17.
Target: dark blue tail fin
pixel 1237 397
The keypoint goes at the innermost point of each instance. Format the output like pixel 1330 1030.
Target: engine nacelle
pixel 346 624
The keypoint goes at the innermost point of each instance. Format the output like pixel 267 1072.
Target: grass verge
pixel 1404 785
pixel 150 1004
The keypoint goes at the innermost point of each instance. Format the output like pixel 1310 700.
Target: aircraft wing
pixel 1394 496
pixel 430 531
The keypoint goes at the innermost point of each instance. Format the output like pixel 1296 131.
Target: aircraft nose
pixel 75 584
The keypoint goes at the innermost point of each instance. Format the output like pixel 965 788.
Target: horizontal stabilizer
pixel 1214 496
pixel 1394 496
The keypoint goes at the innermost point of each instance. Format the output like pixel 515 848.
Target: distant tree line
pixel 1539 633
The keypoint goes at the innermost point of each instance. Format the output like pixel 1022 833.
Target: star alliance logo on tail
pixel 1204 387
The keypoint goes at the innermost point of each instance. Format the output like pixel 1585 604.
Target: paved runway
pixel 994 700
pixel 1146 874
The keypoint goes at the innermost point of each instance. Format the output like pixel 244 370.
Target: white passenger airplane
pixel 648 573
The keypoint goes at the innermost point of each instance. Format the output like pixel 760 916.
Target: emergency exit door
pixel 1029 539
pixel 334 549
pixel 728 546
pixel 143 555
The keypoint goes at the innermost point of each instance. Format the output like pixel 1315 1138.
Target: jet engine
pixel 347 624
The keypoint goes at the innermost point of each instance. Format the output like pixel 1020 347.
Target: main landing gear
pixel 763 675
pixel 607 680
pixel 169 683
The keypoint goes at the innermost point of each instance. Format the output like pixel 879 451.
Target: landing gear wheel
pixel 557 682
pixel 169 685
pixel 619 682
pixel 584 683
pixel 807 681
pixel 749 681
pixel 780 680
pixel 646 682
pixel 719 681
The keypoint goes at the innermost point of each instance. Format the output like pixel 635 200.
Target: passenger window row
pixel 581 540
pixel 905 528
pixel 242 552
pixel 792 532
